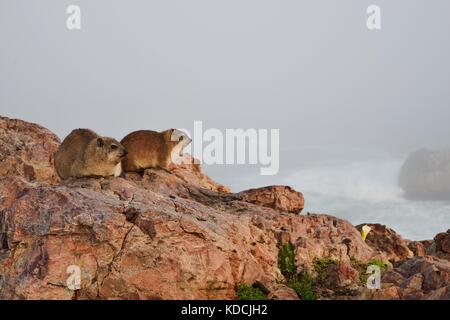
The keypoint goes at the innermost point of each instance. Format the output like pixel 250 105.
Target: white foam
pixel 368 191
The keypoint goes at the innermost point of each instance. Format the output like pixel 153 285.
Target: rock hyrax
pixel 151 149
pixel 83 153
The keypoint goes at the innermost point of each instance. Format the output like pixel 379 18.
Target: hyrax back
pixel 151 149
pixel 83 153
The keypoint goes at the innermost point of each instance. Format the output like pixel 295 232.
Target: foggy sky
pixel 309 68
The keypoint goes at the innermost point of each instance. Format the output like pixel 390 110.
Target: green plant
pixel 321 264
pixel 362 268
pixel 286 260
pixel 247 292
pixel 380 263
pixel 303 285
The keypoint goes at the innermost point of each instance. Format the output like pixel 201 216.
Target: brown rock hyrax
pixel 83 153
pixel 151 149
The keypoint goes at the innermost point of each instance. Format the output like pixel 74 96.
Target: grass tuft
pixel 247 292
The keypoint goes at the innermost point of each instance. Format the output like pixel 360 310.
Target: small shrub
pixel 377 262
pixel 362 268
pixel 286 260
pixel 247 292
pixel 303 285
pixel 320 265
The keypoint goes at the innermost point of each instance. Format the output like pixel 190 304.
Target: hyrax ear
pixel 171 136
pixel 100 142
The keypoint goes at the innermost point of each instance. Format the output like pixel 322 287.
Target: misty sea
pixel 358 185
pixel 367 191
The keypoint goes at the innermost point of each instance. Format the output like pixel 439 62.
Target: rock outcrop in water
pixel 181 235
pixel 425 175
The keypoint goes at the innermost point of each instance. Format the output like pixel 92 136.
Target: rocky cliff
pixel 181 235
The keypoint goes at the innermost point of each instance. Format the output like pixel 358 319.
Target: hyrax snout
pixel 152 149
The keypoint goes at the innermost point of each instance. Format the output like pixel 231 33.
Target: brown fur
pixel 83 153
pixel 151 149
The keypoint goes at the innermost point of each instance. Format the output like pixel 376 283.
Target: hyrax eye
pixel 114 147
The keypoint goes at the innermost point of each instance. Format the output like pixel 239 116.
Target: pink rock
pixel 387 241
pixel 27 150
pixel 177 235
pixel 282 198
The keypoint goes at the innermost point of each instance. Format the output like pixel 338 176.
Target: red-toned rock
pixel 418 278
pixel 143 246
pixel 191 172
pixel 414 282
pixel 387 241
pixel 175 235
pixel 440 294
pixel 282 292
pixel 282 198
pixel 27 150
pixel 132 242
pixel 181 181
pixel 439 246
pixel 387 293
pixel 340 275
pixel 442 241
pixel 418 248
pixel 278 291
pixel 322 236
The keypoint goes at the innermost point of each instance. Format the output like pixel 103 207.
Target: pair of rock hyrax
pixel 83 153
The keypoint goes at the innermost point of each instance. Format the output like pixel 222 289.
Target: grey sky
pixel 310 68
